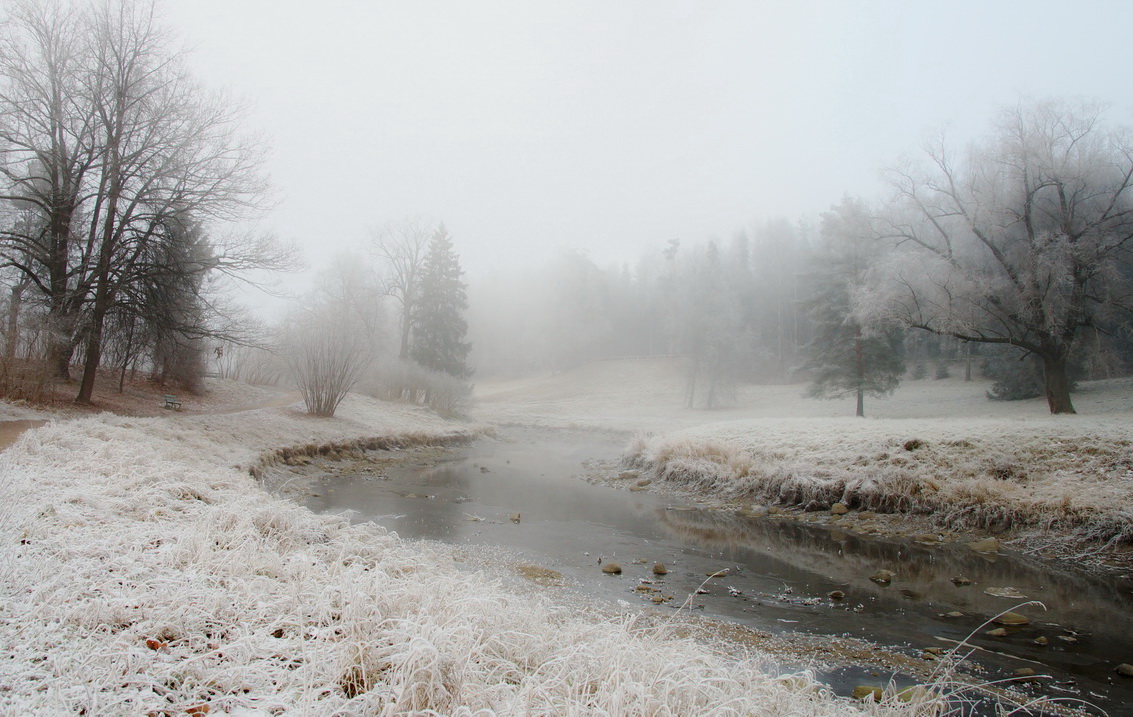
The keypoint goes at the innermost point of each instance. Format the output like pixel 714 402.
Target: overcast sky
pixel 613 126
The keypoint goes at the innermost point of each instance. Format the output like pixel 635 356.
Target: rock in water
pixel 612 569
pixel 839 509
pixel 988 545
pixel 1011 619
pixel 867 692
pixel 1124 669
pixel 835 594
pixel 515 517
pixel 883 577
pixel 660 569
pixel 961 581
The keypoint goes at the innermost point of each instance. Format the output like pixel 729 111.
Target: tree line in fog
pixel 126 190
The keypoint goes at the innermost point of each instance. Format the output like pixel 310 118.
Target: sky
pixel 532 127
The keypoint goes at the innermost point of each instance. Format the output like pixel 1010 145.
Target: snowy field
pixel 146 572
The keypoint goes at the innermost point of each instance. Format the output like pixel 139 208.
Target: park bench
pixel 172 402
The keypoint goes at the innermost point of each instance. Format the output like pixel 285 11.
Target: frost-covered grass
pixel 1069 476
pixel 145 572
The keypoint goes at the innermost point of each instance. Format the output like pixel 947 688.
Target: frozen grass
pixel 1069 476
pixel 144 571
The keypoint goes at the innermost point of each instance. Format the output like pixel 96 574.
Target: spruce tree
pixel 439 325
pixel 847 358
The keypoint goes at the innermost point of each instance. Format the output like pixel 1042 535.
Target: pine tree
pixel 439 324
pixel 847 358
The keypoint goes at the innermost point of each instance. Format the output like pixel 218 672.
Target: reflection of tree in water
pixel 773 544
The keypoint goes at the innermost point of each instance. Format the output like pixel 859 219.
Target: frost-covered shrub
pixel 327 354
pixel 409 382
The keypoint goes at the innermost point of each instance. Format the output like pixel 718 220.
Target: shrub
pixel 409 382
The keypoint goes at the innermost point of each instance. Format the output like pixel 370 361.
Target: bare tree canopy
pixel 402 248
pixel 112 157
pixel 1017 242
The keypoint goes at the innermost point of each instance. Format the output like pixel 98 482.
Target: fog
pixel 532 129
pixel 494 189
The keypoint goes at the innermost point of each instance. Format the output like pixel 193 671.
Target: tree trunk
pixel 859 360
pixel 406 325
pixel 94 345
pixel 13 336
pixel 1057 383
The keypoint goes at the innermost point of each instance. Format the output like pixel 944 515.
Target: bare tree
pixel 402 248
pixel 46 155
pixel 116 151
pixel 1018 243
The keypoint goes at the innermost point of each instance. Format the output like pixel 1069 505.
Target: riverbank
pixel 936 460
pixel 148 572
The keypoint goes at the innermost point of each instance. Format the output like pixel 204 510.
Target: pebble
pixel 839 509
pixel 1042 641
pixel 1124 669
pixel 997 632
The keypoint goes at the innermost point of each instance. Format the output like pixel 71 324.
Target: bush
pixel 409 382
pixel 326 356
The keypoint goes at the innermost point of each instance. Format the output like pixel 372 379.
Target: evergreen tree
pixel 439 325
pixel 847 358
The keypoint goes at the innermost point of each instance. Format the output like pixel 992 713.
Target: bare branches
pixel 1020 237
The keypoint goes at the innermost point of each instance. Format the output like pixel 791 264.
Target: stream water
pixel 780 572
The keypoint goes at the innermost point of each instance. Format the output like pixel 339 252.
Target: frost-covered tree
pixel 708 324
pixel 848 358
pixel 438 320
pixel 1017 242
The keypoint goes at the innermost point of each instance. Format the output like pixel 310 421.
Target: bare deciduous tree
pixel 1018 243
pixel 116 152
pixel 402 248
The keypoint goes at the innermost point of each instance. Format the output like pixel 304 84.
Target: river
pixel 524 491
